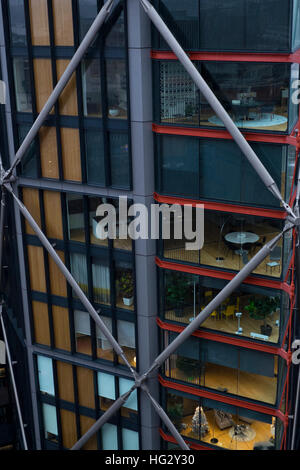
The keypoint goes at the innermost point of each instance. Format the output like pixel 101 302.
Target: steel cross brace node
pixel 7 178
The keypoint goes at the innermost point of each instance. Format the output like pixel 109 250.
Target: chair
pixel 275 259
pixel 230 311
pixel 214 314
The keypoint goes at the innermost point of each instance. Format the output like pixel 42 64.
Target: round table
pixel 240 238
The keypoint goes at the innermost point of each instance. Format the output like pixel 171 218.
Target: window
pixel 22 84
pixel 29 162
pixel 215 25
pixel 87 13
pixel 226 368
pixel 95 231
pixel 186 167
pixel 17 23
pixel 116 88
pixel 106 390
pixel 101 281
pixel 91 81
pixel 79 270
pixel 130 439
pixel 83 332
pixel 296 25
pixel 45 373
pixel 76 226
pixel 255 95
pixel 223 425
pixel 131 405
pixel 126 339
pixel 250 311
pixel 104 348
pixel 50 422
pixel 109 436
pixel 119 160
pixel 230 241
pixel 95 157
pixel 124 286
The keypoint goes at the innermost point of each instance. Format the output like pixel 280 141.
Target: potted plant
pixel 190 367
pixel 260 309
pixel 176 291
pixel 127 288
pixel 175 413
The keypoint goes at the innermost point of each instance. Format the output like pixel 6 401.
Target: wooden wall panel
pixel 53 214
pixel 71 154
pixel 41 323
pixel 48 152
pixel 32 202
pixel 65 381
pixel 61 328
pixel 63 22
pixel 68 104
pixel 43 81
pixel 86 391
pixel 38 11
pixel 36 268
pixel 58 282
pixel 68 428
pixel 85 424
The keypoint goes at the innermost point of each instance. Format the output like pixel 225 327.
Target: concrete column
pixel 140 76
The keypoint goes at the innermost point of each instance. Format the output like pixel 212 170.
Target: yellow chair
pixel 230 311
pixel 214 314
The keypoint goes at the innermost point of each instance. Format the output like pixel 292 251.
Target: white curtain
pixel 101 283
pixel 104 343
pixel 50 419
pixel 124 386
pixel 82 323
pixel 109 437
pixel 106 385
pixel 130 439
pixel 126 334
pixel 45 372
pixel 79 270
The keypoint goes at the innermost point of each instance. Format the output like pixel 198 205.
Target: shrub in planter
pixel 190 367
pixel 260 309
pixel 175 413
pixel 176 292
pixel 127 287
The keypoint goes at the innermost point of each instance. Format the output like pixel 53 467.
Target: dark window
pixel 17 22
pixel 95 157
pixel 119 160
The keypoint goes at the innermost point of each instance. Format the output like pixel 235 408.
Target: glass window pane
pixel 119 160
pixel 126 339
pixel 296 25
pixel 178 95
pixel 95 235
pixel 83 332
pixel 116 77
pixel 106 390
pixel 109 435
pixel 101 281
pixel 116 35
pixel 50 422
pixel 179 168
pixel 124 386
pixel 45 372
pixel 76 227
pixel 95 157
pixel 22 84
pixel 87 13
pixel 29 162
pixel 104 348
pixel 124 286
pixel 91 82
pixel 17 22
pixel 130 439
pixel 79 270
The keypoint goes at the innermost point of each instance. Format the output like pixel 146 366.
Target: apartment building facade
pixel 132 123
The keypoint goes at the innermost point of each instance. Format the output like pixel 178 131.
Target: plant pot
pixel 266 330
pixel 128 301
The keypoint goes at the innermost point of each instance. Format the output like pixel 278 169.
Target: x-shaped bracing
pixel 7 178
